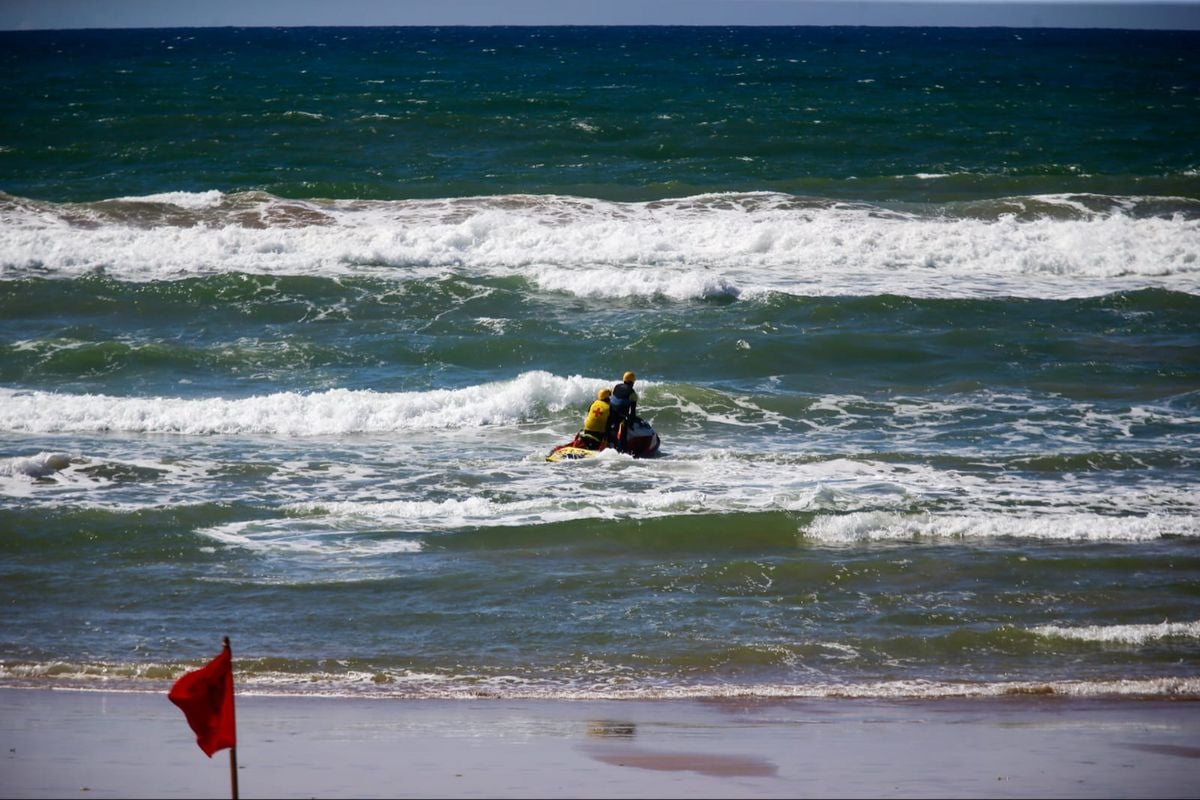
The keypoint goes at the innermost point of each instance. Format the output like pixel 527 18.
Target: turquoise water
pixel 611 113
pixel 290 318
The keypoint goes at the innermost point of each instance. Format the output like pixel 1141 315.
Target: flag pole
pixel 233 783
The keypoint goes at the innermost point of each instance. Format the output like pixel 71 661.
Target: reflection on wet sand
pixel 608 729
pixel 711 764
pixel 616 751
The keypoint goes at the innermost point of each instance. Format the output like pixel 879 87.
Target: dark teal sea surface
pixel 290 318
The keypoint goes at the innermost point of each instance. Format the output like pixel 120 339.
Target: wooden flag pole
pixel 233 782
pixel 233 771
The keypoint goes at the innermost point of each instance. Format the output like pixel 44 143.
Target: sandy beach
pixel 108 744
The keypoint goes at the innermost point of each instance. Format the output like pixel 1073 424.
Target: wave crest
pixel 332 412
pixel 689 248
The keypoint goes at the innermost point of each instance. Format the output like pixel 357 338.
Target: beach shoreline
pixel 117 744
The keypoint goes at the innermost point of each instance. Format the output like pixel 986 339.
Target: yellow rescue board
pixel 571 453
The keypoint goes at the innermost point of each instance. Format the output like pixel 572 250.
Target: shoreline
pixel 60 743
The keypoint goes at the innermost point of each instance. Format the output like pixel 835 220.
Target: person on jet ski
pixel 595 424
pixel 623 404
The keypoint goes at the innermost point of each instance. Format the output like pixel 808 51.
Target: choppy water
pixel 290 318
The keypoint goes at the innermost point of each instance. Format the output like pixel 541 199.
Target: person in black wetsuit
pixel 623 408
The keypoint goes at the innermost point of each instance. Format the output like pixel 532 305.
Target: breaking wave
pixel 701 247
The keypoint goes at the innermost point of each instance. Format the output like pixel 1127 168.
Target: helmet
pixel 629 377
pixel 603 394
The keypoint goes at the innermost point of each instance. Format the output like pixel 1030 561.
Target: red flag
pixel 206 698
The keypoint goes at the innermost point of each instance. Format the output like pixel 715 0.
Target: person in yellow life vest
pixel 595 424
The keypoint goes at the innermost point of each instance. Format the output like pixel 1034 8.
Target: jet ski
pixel 634 437
pixel 637 438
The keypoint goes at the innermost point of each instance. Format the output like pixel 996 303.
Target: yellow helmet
pixel 603 394
pixel 629 377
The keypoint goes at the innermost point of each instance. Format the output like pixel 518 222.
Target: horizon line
pixel 79 15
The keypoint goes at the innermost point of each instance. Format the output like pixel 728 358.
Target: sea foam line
pixel 293 537
pixel 349 411
pixel 332 412
pixel 1123 634
pixel 690 248
pixel 891 526
pixel 385 683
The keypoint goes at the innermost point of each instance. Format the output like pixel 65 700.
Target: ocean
pixel 290 318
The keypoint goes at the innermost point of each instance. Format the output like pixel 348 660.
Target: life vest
pixel 624 401
pixel 596 421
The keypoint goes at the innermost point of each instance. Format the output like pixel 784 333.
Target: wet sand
pixel 109 744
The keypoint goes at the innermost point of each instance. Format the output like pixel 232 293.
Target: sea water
pixel 290 318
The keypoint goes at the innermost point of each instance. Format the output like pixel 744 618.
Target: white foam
pixel 607 685
pixel 484 430
pixel 292 536
pixel 332 412
pixel 456 513
pixel 433 514
pixel 37 466
pixel 671 283
pixel 188 200
pixel 1065 526
pixel 691 248
pixel 1123 634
